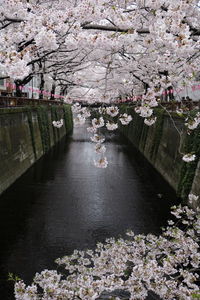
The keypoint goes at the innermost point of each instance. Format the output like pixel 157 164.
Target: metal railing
pixel 16 102
pixel 185 105
pixel 6 101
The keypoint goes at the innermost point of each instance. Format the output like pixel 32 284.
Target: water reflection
pixel 63 203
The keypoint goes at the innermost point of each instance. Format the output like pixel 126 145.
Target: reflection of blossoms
pixel 125 119
pixel 112 111
pixel 189 157
pixel 97 138
pixel 58 124
pixel 111 126
pixel 150 121
pixel 101 163
pixel 99 148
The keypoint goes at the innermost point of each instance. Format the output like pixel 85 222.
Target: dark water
pixel 64 203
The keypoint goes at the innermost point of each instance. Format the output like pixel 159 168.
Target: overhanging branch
pixel 116 29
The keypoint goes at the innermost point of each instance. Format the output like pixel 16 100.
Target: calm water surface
pixel 64 203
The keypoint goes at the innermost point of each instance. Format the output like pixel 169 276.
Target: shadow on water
pixel 63 203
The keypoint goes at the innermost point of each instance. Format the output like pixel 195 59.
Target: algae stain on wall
pixel 25 135
pixel 161 144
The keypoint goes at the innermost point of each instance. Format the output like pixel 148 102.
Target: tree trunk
pixel 63 90
pixel 18 85
pixel 53 91
pixel 41 96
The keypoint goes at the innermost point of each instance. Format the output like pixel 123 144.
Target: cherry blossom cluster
pixel 189 157
pixel 58 124
pixel 114 48
pixel 145 110
pixel 155 43
pixel 109 117
pixel 99 139
pixel 194 122
pixel 81 114
pixel 166 265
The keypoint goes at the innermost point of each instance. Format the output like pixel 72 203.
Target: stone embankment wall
pixel 25 135
pixel 164 145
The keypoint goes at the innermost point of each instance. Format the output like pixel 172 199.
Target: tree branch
pixel 112 28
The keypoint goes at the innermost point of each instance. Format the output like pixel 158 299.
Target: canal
pixel 64 203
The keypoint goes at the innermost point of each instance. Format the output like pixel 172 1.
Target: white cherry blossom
pixel 98 122
pixel 111 126
pixel 58 124
pixel 125 119
pixel 189 157
pixel 150 121
pixel 192 198
pixel 112 111
pixel 146 111
pixel 101 163
pixel 166 265
pixel 99 148
pixel 193 123
pixel 97 138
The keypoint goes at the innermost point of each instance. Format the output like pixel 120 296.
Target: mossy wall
pixel 25 135
pixel 161 144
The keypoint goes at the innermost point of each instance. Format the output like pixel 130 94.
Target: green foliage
pixel 68 118
pixel 30 122
pixel 54 117
pixel 45 115
pixel 137 132
pixel 196 296
pixel 143 136
pixel 13 110
pixel 12 277
pixel 158 133
pixel 191 145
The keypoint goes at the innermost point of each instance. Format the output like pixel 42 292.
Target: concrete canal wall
pixel 25 135
pixel 162 145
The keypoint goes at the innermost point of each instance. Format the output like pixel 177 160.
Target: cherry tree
pixel 109 49
pixel 156 42
pixel 152 44
pixel 104 50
